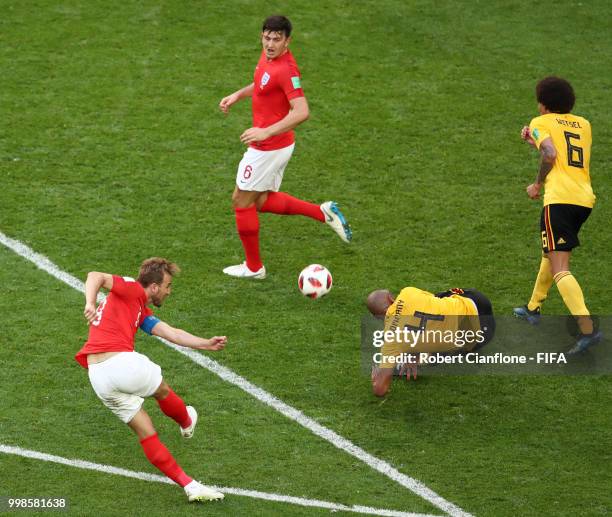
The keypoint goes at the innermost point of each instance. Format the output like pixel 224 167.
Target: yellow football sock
pixel 542 285
pixel 574 300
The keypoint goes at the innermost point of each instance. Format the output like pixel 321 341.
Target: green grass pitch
pixel 112 149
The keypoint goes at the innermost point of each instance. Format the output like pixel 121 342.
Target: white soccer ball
pixel 315 281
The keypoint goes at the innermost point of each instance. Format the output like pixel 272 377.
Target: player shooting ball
pixel 122 378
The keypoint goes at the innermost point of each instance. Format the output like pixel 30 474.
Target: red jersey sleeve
pixel 290 81
pixel 126 287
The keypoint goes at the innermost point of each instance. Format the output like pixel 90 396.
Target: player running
pixel 278 105
pixel 466 314
pixel 564 142
pixel 122 378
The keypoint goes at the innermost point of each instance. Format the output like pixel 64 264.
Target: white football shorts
pixel 263 170
pixel 123 381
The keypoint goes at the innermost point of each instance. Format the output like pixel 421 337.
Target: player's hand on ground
pixel 533 191
pixel 526 136
pixel 89 312
pixel 254 134
pixel 215 343
pixel 226 102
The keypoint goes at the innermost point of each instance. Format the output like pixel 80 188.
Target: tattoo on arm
pixel 549 153
pixel 545 168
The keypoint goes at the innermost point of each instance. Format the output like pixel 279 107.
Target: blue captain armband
pixel 148 323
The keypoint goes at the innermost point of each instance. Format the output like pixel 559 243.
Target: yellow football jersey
pixel 569 181
pixel 448 324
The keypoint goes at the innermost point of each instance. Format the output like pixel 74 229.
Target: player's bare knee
pixel 239 200
pixel 163 391
pixel 143 434
pixel 142 425
pixel 236 198
pixel 261 201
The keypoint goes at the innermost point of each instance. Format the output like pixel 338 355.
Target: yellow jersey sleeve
pixel 538 130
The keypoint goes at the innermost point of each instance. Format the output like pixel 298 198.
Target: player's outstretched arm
pixel 226 102
pixel 184 338
pixel 95 281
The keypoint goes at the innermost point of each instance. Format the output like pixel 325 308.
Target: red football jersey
pixel 117 320
pixel 276 82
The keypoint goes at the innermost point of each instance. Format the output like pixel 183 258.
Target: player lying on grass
pixel 122 378
pixel 564 142
pixel 458 313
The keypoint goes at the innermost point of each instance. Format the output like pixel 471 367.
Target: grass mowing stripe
pixel 290 412
pixel 300 501
pixel 44 263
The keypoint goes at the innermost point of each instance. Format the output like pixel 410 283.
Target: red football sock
pixel 174 407
pixel 284 204
pixel 247 222
pixel 158 455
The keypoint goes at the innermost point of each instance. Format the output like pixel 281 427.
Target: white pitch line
pixel 255 494
pixel 290 412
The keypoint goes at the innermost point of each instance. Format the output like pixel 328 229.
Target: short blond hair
pixel 153 269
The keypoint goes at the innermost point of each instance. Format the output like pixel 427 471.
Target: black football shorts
pixel 560 224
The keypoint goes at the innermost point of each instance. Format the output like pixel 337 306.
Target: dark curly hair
pixel 556 94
